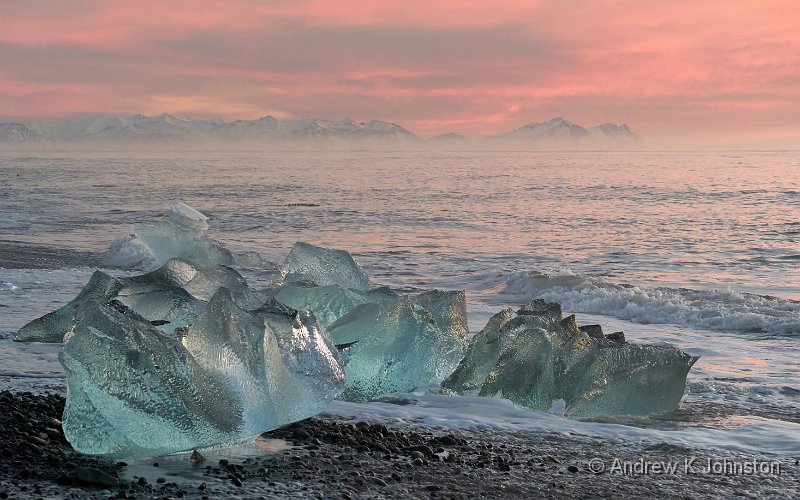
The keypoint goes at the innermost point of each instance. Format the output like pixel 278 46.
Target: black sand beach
pixel 334 458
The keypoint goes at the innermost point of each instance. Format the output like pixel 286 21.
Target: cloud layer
pixel 681 70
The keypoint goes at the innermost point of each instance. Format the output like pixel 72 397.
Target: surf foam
pixel 720 310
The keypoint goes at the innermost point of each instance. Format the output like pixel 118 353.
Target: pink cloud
pixel 681 67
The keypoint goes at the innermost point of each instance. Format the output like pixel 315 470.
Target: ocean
pixel 694 249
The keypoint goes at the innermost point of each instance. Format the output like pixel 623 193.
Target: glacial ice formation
pixel 323 266
pixel 390 342
pixel 397 345
pixel 170 297
pixel 53 326
pixel 188 355
pixel 329 302
pixel 534 357
pixel 134 391
pixel 182 236
pixel 393 343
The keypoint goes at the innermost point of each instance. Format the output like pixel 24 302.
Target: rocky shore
pixel 327 457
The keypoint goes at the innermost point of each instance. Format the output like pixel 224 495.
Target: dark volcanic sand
pixel 19 255
pixel 335 459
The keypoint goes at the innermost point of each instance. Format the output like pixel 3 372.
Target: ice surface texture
pixel 170 297
pixel 183 357
pixel 399 345
pixel 134 391
pixel 392 343
pixel 534 357
pixel 53 326
pixel 182 236
pixel 323 266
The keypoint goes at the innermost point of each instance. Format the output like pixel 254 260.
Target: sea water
pixel 696 249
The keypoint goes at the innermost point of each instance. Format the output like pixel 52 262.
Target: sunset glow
pixel 717 71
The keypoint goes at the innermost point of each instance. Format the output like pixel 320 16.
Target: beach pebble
pixel 52 433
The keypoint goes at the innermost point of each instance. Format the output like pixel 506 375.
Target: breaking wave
pixel 721 310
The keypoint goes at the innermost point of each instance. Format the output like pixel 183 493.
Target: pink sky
pixel 689 71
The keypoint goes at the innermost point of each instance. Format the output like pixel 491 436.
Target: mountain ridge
pixel 167 130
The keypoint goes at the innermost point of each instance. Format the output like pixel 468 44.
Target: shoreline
pixel 331 456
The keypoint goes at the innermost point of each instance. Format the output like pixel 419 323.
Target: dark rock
pixel 572 469
pixel 52 433
pixel 37 440
pixel 616 337
pixel 196 458
pixel 424 449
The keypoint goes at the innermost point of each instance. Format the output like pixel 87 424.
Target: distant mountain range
pixel 169 132
pixel 560 133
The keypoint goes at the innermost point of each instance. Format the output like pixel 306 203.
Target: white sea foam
pixel 720 310
pixel 487 415
pixel 6 286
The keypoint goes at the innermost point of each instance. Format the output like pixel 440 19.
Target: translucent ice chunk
pixel 449 309
pixel 620 379
pixel 171 296
pixel 167 240
pixel 182 236
pixel 183 215
pixel 329 302
pixel 281 363
pixel 397 346
pixel 53 326
pixel 165 306
pixel 535 357
pixel 323 266
pixel 207 281
pixel 135 392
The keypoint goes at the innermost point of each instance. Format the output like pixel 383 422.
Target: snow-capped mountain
pixel 559 133
pixel 168 131
pixel 19 133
